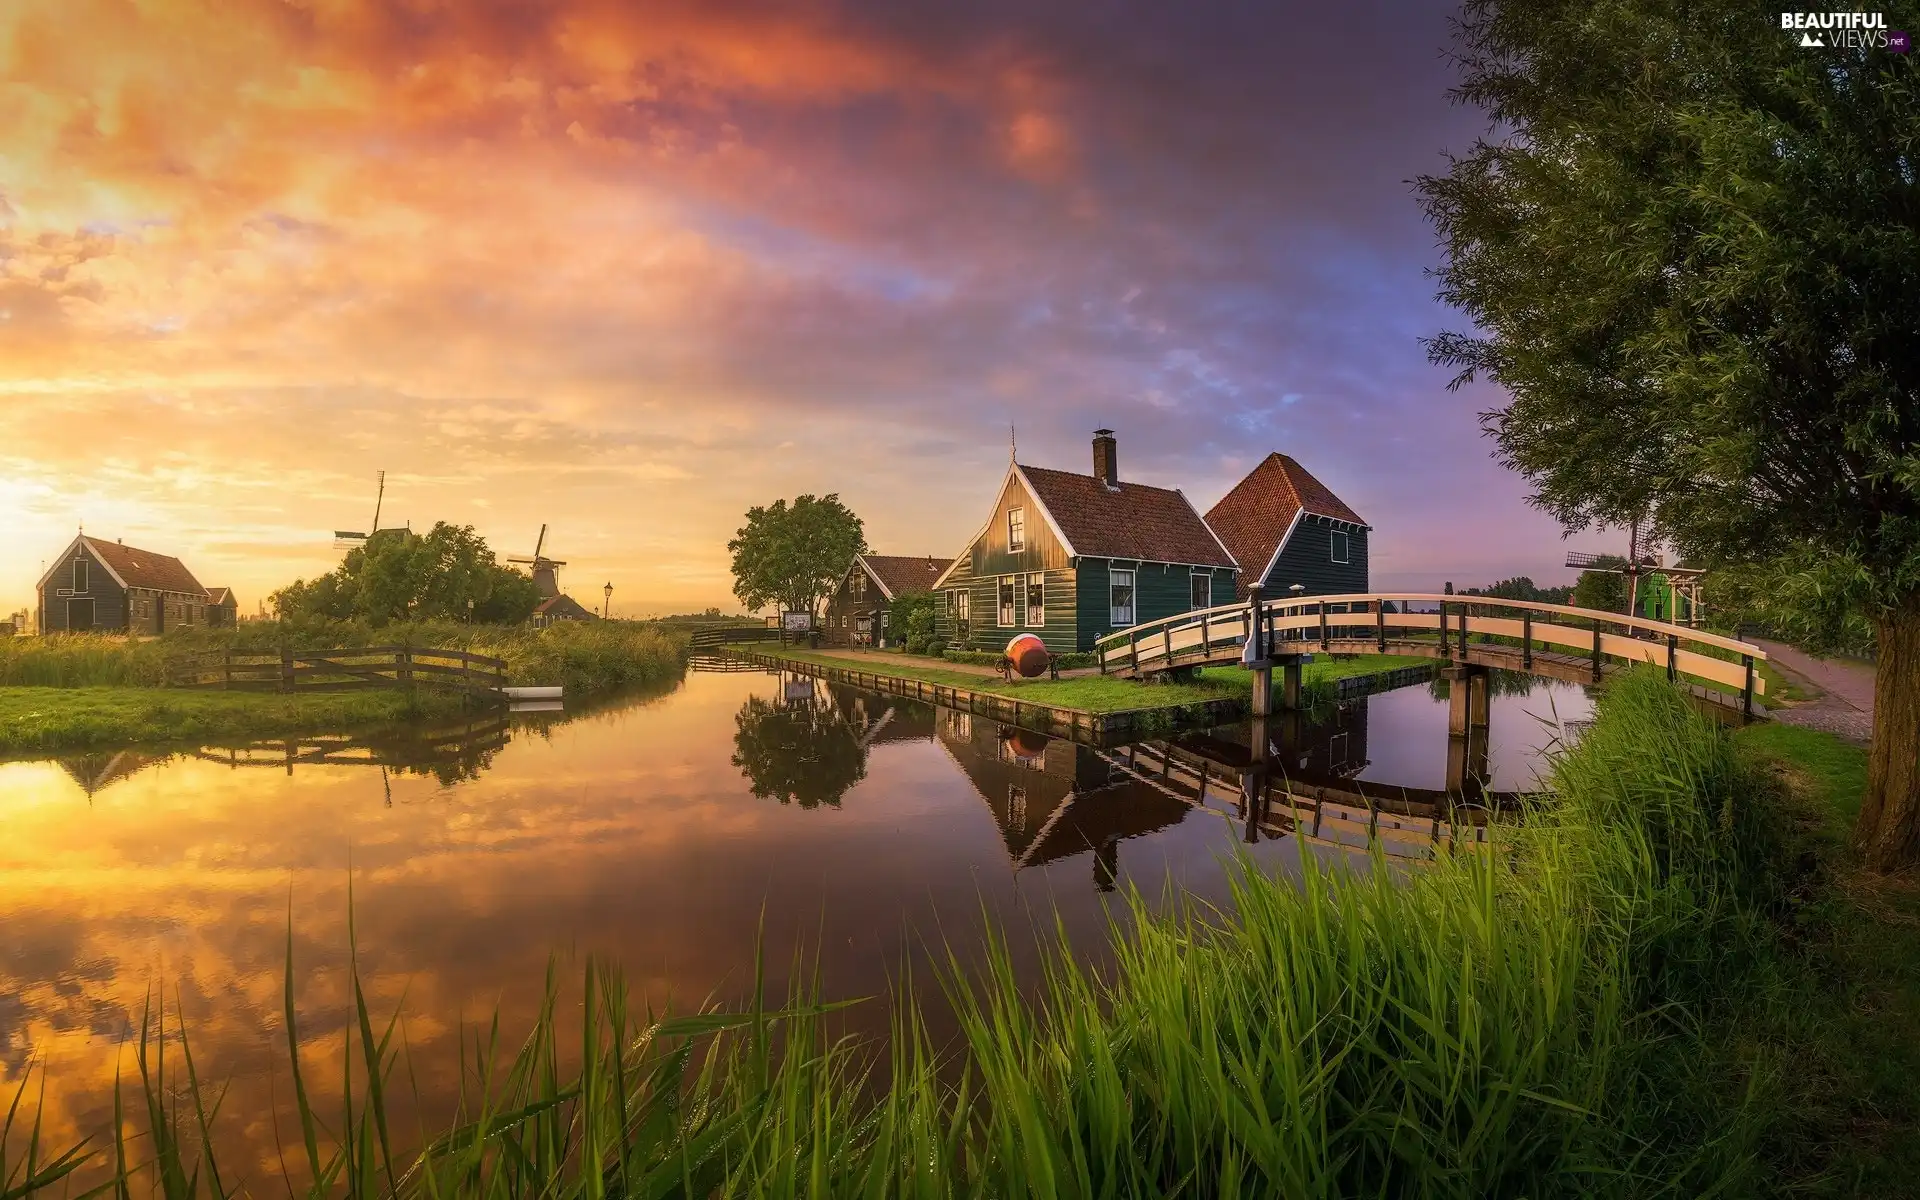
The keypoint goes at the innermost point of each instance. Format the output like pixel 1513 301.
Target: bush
pixel 917 644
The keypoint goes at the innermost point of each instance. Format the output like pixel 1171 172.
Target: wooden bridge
pixel 1577 645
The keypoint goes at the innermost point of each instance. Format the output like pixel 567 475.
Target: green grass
pixel 1557 1018
pixel 583 656
pixel 1100 693
pixel 41 719
pixel 1843 1011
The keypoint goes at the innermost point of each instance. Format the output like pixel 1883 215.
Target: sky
pixel 629 268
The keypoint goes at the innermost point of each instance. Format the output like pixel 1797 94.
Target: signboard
pixel 797 622
pixel 797 691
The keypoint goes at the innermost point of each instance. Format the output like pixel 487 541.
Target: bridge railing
pixel 288 670
pixel 1289 625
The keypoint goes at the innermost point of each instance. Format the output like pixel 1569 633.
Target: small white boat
pixel 525 706
pixel 530 693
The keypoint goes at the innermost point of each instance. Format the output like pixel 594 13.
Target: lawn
pixel 48 719
pixel 1844 1020
pixel 1098 693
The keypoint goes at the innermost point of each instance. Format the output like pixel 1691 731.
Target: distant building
pixel 1071 558
pixel 1286 527
pixel 857 611
pixel 109 587
pixel 223 611
pixel 555 609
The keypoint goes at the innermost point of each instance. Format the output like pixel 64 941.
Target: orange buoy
pixel 1025 743
pixel 1028 654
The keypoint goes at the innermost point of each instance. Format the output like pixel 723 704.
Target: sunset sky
pixel 630 268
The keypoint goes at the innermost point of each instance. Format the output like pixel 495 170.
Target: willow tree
pixel 1691 249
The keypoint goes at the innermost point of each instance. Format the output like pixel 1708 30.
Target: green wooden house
pixel 1072 558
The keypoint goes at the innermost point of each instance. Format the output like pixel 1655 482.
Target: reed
pixel 1529 1019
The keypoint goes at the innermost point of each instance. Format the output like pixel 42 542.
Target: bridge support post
pixel 1290 684
pixel 1468 708
pixel 1262 691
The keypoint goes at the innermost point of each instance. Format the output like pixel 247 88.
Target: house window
pixel 1016 529
pixel 857 586
pixel 843 620
pixel 1340 554
pixel 1203 589
pixel 1017 808
pixel 79 574
pixel 1122 586
pixel 953 603
pixel 1036 601
pixel 1007 610
pixel 960 725
pixel 966 603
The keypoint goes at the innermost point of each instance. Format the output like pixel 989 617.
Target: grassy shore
pixel 1631 997
pixel 39 719
pixel 1094 693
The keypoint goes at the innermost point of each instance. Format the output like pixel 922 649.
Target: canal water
pixel 668 834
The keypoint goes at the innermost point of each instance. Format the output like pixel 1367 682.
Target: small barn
pixel 1287 527
pixel 1071 558
pixel 110 587
pixel 857 611
pixel 223 610
pixel 555 609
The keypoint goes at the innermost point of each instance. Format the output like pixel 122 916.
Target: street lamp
pixel 608 606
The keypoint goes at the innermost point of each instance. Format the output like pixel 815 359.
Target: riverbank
pixel 50 720
pixel 89 691
pixel 1088 693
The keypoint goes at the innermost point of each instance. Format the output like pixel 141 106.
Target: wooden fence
pixel 289 670
pixel 712 637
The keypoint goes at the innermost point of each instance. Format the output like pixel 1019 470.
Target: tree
pixel 793 556
pixel 1692 257
pixel 911 618
pixel 802 753
pixel 447 574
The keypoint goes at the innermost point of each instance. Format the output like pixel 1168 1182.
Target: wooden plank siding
pixel 1043 552
pixel 1307 558
pixel 109 599
pixel 1160 590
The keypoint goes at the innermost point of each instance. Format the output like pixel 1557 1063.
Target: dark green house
pixel 1286 528
pixel 1074 557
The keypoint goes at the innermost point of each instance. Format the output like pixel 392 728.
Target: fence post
pixel 1322 606
pixel 1526 637
pixel 1166 640
pixel 1380 622
pixel 1746 699
pixel 403 661
pixel 1673 657
pixel 1206 636
pixel 226 669
pixel 1253 622
pixel 1445 652
pixel 1133 645
pixel 286 668
pixel 1596 650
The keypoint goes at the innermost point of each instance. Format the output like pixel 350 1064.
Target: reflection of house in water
pixel 1051 798
pixel 95 771
pixel 877 718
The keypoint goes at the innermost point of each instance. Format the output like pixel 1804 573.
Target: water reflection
pixel 639 833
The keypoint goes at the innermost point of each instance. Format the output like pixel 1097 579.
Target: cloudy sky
pixel 628 268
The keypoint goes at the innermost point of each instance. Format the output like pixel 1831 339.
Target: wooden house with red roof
pixel 109 587
pixel 856 613
pixel 1286 527
pixel 1070 558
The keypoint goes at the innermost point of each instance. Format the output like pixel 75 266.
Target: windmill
pixel 546 571
pixel 1684 581
pixel 348 539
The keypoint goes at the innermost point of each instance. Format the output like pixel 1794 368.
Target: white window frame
pixel 81 572
pixel 1197 577
pixel 1036 601
pixel 1016 529
pixel 1340 549
pixel 1006 608
pixel 1133 597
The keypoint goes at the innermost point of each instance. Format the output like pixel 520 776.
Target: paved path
pixel 1844 705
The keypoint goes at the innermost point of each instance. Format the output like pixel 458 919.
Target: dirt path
pixel 1844 687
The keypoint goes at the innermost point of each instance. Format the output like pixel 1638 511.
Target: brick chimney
pixel 1106 458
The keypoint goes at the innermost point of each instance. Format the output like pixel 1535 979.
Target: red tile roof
pixel 1137 521
pixel 219 595
pixel 1253 517
pixel 904 574
pixel 564 607
pixel 144 569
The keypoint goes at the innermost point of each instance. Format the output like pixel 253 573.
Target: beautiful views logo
pixel 1845 30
